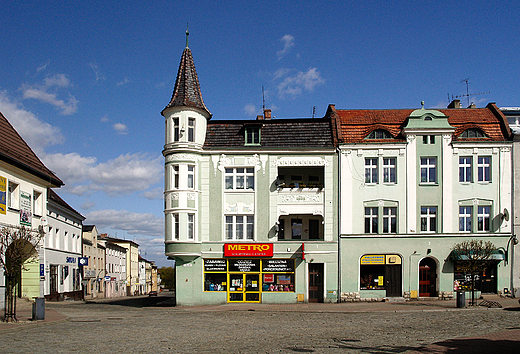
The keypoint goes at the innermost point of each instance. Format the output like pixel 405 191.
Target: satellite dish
pixel 505 214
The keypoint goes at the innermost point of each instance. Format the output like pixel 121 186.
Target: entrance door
pixel 315 282
pixel 393 280
pixel 488 280
pixel 53 279
pixel 244 287
pixel 428 278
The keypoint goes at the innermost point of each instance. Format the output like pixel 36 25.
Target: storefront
pixel 245 279
pixel 381 273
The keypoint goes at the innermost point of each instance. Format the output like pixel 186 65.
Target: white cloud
pixel 49 91
pixel 157 193
pixel 121 128
pixel 288 43
pixel 124 174
pixel 123 82
pixel 104 119
pixel 43 66
pixel 250 109
pixel 37 134
pixel 131 223
pixel 95 69
pixel 294 82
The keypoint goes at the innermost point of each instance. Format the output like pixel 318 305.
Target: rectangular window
pixel 296 229
pixel 465 218
pixel 389 220
pixel 175 171
pixel 239 226
pixel 176 226
pixel 428 169
pixel 191 176
pixel 465 169
pixel 37 203
pixel 14 195
pixel 191 226
pixel 483 218
pixel 191 129
pixel 389 170
pixel 483 167
pixel 252 136
pixel 428 139
pixel 175 129
pixel 371 171
pixel 239 178
pixel 371 222
pixel 429 219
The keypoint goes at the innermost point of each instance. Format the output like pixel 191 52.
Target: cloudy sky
pixel 84 82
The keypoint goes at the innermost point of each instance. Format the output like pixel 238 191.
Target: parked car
pixel 152 293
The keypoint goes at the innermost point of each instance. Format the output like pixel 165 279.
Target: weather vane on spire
pixel 187 34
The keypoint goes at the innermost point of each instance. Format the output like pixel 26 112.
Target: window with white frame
pixel 14 195
pixel 389 220
pixel 239 227
pixel 175 172
pixel 429 219
pixel 252 136
pixel 465 169
pixel 371 171
pixel 296 229
pixel 176 225
pixel 240 178
pixel 483 168
pixel 37 203
pixel 483 218
pixel 191 129
pixel 389 170
pixel 191 176
pixel 428 139
pixel 191 226
pixel 175 129
pixel 371 220
pixel 428 169
pixel 465 216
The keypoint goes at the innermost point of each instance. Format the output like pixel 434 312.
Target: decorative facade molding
pixel 300 198
pixel 239 208
pixel 182 157
pixel 300 161
pixel 225 161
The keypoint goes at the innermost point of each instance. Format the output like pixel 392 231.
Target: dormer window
pixel 473 133
pixel 428 118
pixel 379 134
pixel 252 136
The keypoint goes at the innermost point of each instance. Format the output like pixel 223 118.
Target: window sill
pixel 429 184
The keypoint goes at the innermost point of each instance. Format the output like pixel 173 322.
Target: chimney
pixel 454 104
pixel 472 105
pixel 267 114
pixel 259 117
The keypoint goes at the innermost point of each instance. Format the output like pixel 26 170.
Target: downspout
pixel 339 223
pixel 512 213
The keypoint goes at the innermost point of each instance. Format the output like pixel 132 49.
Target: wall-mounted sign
pixel 215 265
pixel 89 273
pixel 71 260
pixel 268 278
pixel 278 265
pixel 83 261
pixel 25 208
pixel 248 250
pixel 373 259
pixel 3 189
pixel 244 265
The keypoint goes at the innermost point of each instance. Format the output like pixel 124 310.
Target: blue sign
pixel 42 270
pixel 70 260
pixel 83 261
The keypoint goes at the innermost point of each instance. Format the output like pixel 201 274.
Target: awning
pixel 497 255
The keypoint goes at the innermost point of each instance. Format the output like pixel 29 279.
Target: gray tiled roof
pixel 15 151
pixel 54 197
pixel 187 88
pixel 275 133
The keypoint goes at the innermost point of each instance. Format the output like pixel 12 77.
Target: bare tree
pixel 17 245
pixel 473 256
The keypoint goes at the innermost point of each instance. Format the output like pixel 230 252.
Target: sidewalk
pixel 24 316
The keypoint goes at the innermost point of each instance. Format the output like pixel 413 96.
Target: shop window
pixel 215 282
pixel 239 178
pixel 485 280
pixel 381 272
pixel 372 277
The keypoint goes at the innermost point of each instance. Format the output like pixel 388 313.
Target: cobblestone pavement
pixel 296 328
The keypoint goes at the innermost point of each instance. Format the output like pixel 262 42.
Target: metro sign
pixel 83 261
pixel 248 250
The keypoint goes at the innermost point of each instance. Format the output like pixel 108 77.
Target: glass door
pixel 244 287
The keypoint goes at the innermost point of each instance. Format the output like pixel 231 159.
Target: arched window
pixel 379 134
pixel 473 133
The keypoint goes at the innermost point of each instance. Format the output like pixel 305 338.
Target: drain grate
pixel 490 304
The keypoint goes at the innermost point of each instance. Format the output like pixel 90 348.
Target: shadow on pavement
pixel 151 301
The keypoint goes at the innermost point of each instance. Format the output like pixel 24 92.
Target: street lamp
pixel 515 242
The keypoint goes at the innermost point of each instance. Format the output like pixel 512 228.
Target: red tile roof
pixel 15 151
pixel 355 125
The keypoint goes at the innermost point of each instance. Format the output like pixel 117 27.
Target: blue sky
pixel 84 82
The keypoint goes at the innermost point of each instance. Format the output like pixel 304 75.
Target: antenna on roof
pixel 313 111
pixel 263 98
pixel 467 95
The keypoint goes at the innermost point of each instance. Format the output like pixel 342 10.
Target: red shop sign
pixel 248 250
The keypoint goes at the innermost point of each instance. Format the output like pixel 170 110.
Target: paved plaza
pixel 152 325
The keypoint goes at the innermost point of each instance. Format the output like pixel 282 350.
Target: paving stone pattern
pixel 328 328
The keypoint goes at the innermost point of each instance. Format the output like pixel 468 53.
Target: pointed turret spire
pixel 187 88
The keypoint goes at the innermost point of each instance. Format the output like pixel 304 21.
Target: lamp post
pixel 514 241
